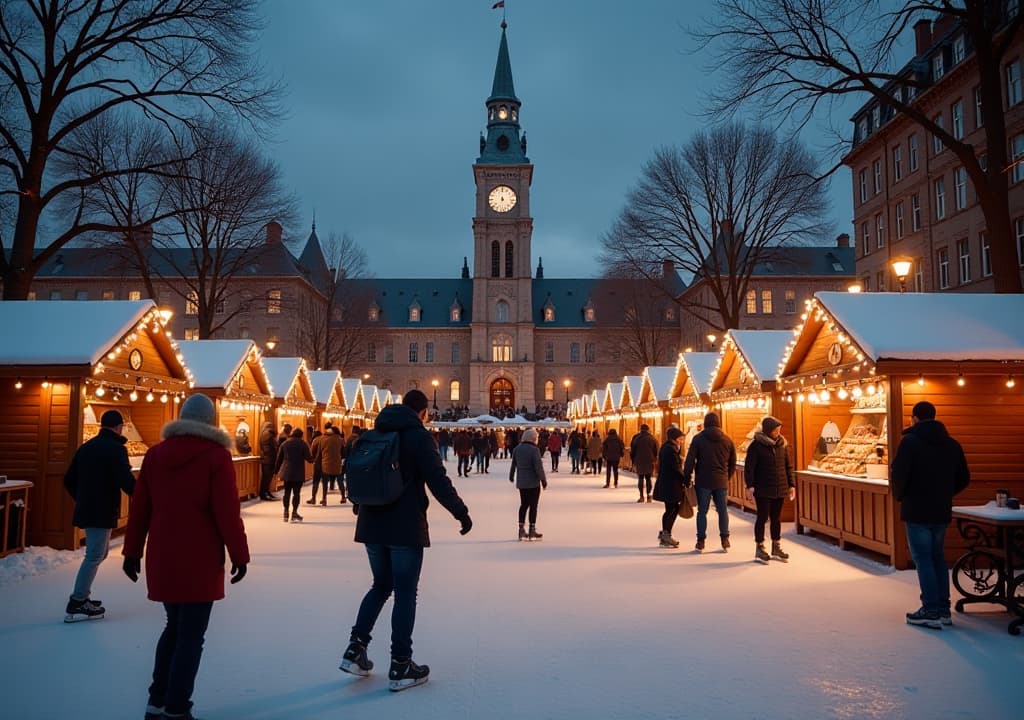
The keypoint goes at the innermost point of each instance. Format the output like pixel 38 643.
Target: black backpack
pixel 374 477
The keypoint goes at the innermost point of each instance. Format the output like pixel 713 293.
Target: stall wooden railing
pixel 855 512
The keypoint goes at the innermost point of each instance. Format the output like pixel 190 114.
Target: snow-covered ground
pixel 595 621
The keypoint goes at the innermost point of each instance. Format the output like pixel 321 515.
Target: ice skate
pixel 355 661
pixel 534 535
pixel 405 674
pixel 79 610
pixel 522 532
pixel 725 543
pixel 761 555
pixel 778 553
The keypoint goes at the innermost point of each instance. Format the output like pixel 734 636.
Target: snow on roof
pixel 660 378
pixel 214 363
pixel 930 326
pixel 633 383
pixel 597 401
pixel 614 395
pixel 349 389
pixel 282 373
pixel 383 397
pixel 323 382
pixel 699 366
pixel 763 349
pixel 65 332
pixel 369 394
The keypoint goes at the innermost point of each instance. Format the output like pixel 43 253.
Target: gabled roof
pixel 284 373
pixel 350 391
pixel 383 397
pixel 369 393
pixel 632 386
pixel 693 369
pixel 215 363
pixel 434 295
pixel 657 383
pixel 613 397
pixel 762 349
pixel 597 401
pixel 325 383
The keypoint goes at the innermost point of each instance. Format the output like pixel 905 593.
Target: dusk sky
pixel 386 104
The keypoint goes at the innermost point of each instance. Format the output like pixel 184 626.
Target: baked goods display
pixel 135 446
pixel 741 450
pixel 859 447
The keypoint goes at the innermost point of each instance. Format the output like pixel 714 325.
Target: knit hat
pixel 769 424
pixel 111 419
pixel 200 408
pixel 674 432
pixel 711 420
pixel 645 428
pixel 530 435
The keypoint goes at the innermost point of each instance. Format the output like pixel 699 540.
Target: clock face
pixel 835 354
pixel 502 198
pixel 135 359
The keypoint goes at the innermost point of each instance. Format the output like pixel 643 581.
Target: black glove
pixel 132 567
pixel 238 571
pixel 467 525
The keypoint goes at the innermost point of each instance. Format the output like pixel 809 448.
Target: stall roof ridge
pixel 614 395
pixel 700 366
pixel 214 363
pixel 660 378
pixel 282 371
pixel 634 384
pixel 350 389
pixel 323 383
pixel 763 349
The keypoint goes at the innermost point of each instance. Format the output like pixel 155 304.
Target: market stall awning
pixel 657 383
pixel 370 401
pixel 597 401
pixel 227 365
pixel 613 397
pixel 351 394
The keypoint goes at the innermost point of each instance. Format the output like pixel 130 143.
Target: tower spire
pixel 502 144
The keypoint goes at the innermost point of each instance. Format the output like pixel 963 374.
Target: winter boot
pixel 286 515
pixel 522 532
pixel 666 540
pixel 323 501
pixel 725 543
pixel 760 555
pixel 311 501
pixel 649 499
pixel 405 674
pixel 534 535
pixel 78 610
pixel 354 661
pixel 296 517
pixel 640 499
pixel 699 547
pixel 777 552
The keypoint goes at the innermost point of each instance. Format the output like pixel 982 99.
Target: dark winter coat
pixel 928 470
pixel 527 468
pixel 613 448
pixel 186 503
pixel 713 454
pixel 768 469
pixel 98 473
pixel 463 444
pixel 668 487
pixel 404 522
pixel 292 457
pixel 643 451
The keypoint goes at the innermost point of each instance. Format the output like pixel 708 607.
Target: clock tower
pixel 502 359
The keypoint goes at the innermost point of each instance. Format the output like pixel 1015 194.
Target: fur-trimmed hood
pixel 767 440
pixel 194 428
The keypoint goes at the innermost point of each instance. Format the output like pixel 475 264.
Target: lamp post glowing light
pixel 566 383
pixel 435 383
pixel 711 339
pixel 901 267
pixel 854 287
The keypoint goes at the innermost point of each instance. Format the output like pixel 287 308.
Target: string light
pixel 960 380
pixel 842 394
pixel 18 384
pixel 856 392
pixel 870 389
pixel 920 379
pixel 101 391
pixel 1010 382
pixel 133 396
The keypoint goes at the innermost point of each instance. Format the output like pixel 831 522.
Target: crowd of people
pixel 454 413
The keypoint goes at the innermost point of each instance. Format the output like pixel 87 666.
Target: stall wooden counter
pixel 856 367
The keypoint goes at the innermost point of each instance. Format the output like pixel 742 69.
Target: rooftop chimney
pixel 273 232
pixel 668 268
pixel 942 26
pixel 923 36
pixel 843 240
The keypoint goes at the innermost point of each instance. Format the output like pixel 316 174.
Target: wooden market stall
pixel 743 390
pixel 612 412
pixel 232 374
pixel 688 397
pixel 81 359
pixel 857 366
pixel 330 400
pixel 630 404
pixel 352 399
pixel 595 416
pixel 371 403
pixel 294 400
pixel 655 390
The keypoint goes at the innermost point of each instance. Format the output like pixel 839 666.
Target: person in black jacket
pixel 713 455
pixel 268 456
pixel 668 487
pixel 928 470
pixel 395 536
pixel 768 474
pixel 292 457
pixel 98 473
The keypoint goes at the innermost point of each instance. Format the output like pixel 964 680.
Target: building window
pixel 957 113
pixel 879 231
pixel 862 129
pixel 191 333
pixel 866 282
pixel 414 352
pixel 244 333
pixel 501 349
pixel 960 187
pixel 456 314
pixel 371 352
pixel 937 145
pixel 414 313
pixel 915 212
pixel 899 221
pixel 454 389
pixel 31 295
pixel 456 353
pixel 897 163
pixel 549 352
pixel 509 257
pixel 588 314
pixel 876 117
pixel 192 304
pixel 373 315
pixel 912 152
pixel 1017 158
pixel 766 302
pixel 943 263
pixel 107 295
pixel 940 198
pixel 1013 87
pixel 549 314
pixel 790 301
pixel 986 255
pixel 963 251
pixel 81 295
pixel 273 302
pixel 495 259
pixel 428 353
pixel 590 352
pixel 389 352
pixel 919 275
pixel 876 171
pixel 979 113
pixel 938 66
pixel 880 280
pixel 501 311
pixel 549 390
pixel 55 295
pixel 958 50
pixel 863 186
pixel 574 352
pixel 134 295
pixel 751 302
pixel 865 238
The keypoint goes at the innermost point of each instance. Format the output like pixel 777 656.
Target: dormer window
pixel 959 51
pixel 876 117
pixel 456 314
pixel 549 314
pixel 938 67
pixel 588 312
pixel 862 128
pixel 373 315
pixel 670 313
pixel 414 312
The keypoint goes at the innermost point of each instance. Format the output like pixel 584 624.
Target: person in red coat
pixel 554 449
pixel 186 502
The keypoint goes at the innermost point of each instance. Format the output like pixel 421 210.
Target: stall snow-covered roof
pixel 631 390
pixel 749 358
pixel 326 386
pixel 657 383
pixel 613 397
pixel 350 391
pixel 369 393
pixel 284 373
pixel 216 363
pixel 922 327
pixel 692 376
pixel 597 401
pixel 383 397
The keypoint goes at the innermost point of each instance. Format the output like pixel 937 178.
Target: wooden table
pixel 11 492
pixel 985 573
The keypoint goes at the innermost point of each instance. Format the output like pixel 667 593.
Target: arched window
pixel 501 311
pixel 495 259
pixel 508 258
pixel 549 389
pixel 453 392
pixel 501 349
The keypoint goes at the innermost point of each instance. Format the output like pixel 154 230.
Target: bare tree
pixel 727 200
pixel 638 320
pixel 66 63
pixel 794 57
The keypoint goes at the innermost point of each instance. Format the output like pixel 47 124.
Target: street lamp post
pixel 711 339
pixel 271 344
pixel 435 383
pixel 901 267
pixel 566 383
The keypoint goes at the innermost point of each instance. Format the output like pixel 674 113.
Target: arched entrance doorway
pixel 502 396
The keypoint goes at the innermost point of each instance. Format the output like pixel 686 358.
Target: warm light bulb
pixel 18 384
pixel 163 398
pixel 1010 382
pixel 133 396
pixel 856 392
pixel 46 384
pixel 800 397
pixel 177 399
pixel 813 397
pixel 842 393
pixel 870 389
pixel 149 396
pixel 100 391
pixel 920 379
pixel 960 380
pixel 825 396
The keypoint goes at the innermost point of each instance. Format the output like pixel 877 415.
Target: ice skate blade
pixel 778 559
pixel 761 561
pixel 353 668
pixel 79 617
pixel 405 684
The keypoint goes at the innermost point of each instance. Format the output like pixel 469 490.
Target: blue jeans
pixel 395 568
pixel 97 545
pixel 177 656
pixel 704 497
pixel 926 549
pixel 444 452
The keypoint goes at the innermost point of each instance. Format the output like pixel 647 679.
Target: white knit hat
pixel 530 435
